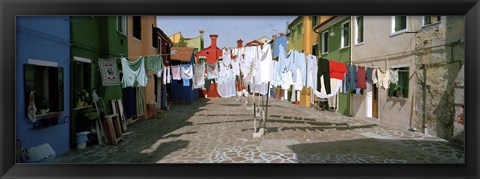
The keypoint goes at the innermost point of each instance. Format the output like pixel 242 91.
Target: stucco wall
pixel 42 38
pixel 441 50
pixel 383 50
pixel 335 52
pixel 142 47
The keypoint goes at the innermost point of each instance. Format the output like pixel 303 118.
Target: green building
pixel 334 38
pixel 94 37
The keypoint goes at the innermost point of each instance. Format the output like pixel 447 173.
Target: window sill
pixel 359 44
pixel 138 40
pixel 324 53
pixel 345 47
pixel 398 32
pixel 401 99
pixel 125 35
pixel 432 24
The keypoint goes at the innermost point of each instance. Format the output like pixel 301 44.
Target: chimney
pixel 273 36
pixel 213 39
pixel 239 43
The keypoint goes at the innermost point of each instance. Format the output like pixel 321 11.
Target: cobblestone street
pixel 220 131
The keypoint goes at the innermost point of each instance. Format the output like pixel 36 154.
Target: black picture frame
pixel 11 9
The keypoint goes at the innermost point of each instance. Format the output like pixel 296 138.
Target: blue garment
pixel 351 78
pixel 276 48
pixel 186 82
pixel 298 62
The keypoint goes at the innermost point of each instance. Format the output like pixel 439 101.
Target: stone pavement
pixel 220 131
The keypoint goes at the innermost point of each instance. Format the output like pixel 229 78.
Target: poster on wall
pixel 109 72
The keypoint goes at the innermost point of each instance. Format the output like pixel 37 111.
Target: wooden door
pixel 375 101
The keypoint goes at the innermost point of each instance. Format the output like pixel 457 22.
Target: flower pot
pixel 82 139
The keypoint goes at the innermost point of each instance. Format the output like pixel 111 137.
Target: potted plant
pixel 90 114
pixel 44 106
pixel 54 118
pixel 83 97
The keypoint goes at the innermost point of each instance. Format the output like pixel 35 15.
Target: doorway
pixel 375 102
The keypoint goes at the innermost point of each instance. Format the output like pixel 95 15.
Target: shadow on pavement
pixel 164 149
pixel 373 150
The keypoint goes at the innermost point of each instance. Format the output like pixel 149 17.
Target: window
pixel 345 34
pixel 314 21
pixel 137 27
pixel 154 37
pixel 427 20
pixel 122 24
pixel 358 29
pixel 299 33
pixel 401 88
pixel 399 24
pixel 325 42
pixel 314 49
pixel 47 82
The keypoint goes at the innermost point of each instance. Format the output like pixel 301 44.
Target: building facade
pixel 43 67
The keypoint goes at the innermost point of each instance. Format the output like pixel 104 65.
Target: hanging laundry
pixel 279 41
pixel 32 109
pixel 351 78
pixel 394 76
pixel 187 71
pixel 265 64
pixel 374 76
pixel 325 71
pixel 299 63
pixel 312 71
pixel 383 79
pixel 226 56
pixel 287 80
pixel 336 84
pixel 332 101
pixel 109 72
pixel 176 72
pixel 212 70
pixel 153 63
pixel 235 66
pixel 199 78
pixel 368 74
pixel 361 78
pixel 140 103
pixel 134 74
pixel 186 82
pixel 159 73
pixel 227 89
pixel 337 70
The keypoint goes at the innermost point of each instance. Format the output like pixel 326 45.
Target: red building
pixel 211 55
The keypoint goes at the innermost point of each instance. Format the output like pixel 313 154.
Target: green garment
pixel 134 74
pixel 153 63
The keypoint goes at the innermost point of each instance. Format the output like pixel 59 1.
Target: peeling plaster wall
pixel 439 94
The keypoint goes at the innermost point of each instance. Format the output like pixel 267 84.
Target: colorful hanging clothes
pixel 140 97
pixel 337 70
pixel 176 72
pixel 351 78
pixel 153 63
pixel 109 72
pixel 134 74
pixel 383 79
pixel 32 109
pixel 212 71
pixel 325 71
pixel 187 71
pixel 279 41
pixel 361 78
pixel 186 82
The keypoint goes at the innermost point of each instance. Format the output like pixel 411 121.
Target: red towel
pixel 337 70
pixel 361 78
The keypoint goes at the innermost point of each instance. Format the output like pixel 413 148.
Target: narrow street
pixel 220 131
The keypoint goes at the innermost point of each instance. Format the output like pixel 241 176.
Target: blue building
pixel 43 66
pixel 182 56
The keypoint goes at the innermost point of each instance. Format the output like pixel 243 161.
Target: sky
pixel 228 28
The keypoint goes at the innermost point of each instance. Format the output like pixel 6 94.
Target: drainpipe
pixel 424 84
